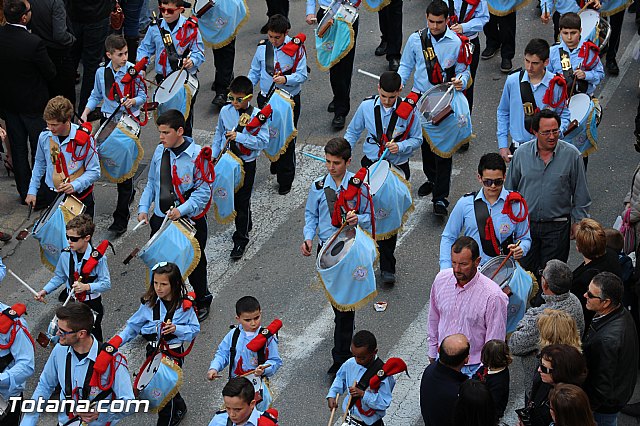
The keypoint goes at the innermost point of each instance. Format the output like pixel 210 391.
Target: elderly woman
pixel 591 243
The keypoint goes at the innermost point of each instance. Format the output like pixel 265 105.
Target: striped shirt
pixel 478 310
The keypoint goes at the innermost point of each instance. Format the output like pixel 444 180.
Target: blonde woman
pixel 558 328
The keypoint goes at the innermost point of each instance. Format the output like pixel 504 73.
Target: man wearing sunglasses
pixel 494 217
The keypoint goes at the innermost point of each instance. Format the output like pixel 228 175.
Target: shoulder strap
pixel 86 387
pixel 5 361
pixel 233 350
pixel 434 70
pixel 482 215
pixel 229 422
pixel 528 101
pixel 363 383
pixel 331 196
pixel 380 131
pixel 262 353
pixel 268 58
pixel 565 65
pixel 72 271
pixel 167 41
pixel 109 81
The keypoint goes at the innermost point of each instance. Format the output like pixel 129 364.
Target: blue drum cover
pixel 52 237
pixel 229 178
pixel 181 101
pixel 505 7
pixel 281 128
pixel 174 245
pixel 335 44
pixel 521 284
pixel 453 132
pixel 120 155
pixel 585 136
pixel 164 385
pixel 220 24
pixel 392 205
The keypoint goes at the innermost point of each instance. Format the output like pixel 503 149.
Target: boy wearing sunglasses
pixel 495 217
pixel 241 127
pixel 71 268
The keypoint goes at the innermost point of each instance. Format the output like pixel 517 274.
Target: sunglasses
pixel 63 333
pixel 73 239
pixel 239 99
pixel 545 370
pixel 490 182
pixel 159 265
pixel 169 10
pixel 592 296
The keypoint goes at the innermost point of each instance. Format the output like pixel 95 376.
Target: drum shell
pixel 229 179
pixel 164 384
pixel 392 203
pixel 180 96
pixel 585 135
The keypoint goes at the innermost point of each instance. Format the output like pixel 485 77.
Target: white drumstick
pixel 68 297
pixel 139 225
pixel 35 293
pixel 369 74
pixel 435 108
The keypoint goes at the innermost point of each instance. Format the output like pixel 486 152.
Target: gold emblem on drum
pixel 528 108
pixel 244 119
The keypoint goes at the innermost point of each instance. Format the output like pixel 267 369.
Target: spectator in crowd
pixel 496 358
pixel 524 343
pixel 611 349
pixel 591 243
pixel 570 406
pixel 132 10
pixel 445 376
pixel 558 328
pixel 474 406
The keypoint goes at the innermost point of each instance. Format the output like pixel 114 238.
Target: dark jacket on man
pixel 611 349
pixel 89 11
pixel 50 22
pixel 439 393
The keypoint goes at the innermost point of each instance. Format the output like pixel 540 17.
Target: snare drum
pixel 50 229
pixel 229 179
pixel 391 198
pixel 264 399
pixel 518 280
pixel 158 381
pixel 582 131
pixel 219 21
pixel 281 126
pixel 334 35
pixel 185 88
pixel 345 266
pixel 595 29
pixel 119 149
pixel 446 119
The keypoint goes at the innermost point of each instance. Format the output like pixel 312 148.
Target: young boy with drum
pixel 249 350
pixel 177 45
pixel 83 269
pixel 117 91
pixel 240 406
pixel 66 159
pixel 242 129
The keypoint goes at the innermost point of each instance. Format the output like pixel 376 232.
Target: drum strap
pixel 464 16
pixel 167 195
pixel 86 387
pixel 262 356
pixel 487 232
pixel 75 276
pixel 434 70
pixel 331 196
pixel 170 49
pixel 269 64
pixel 109 82
pixel 5 361
pixel 363 384
pixel 528 102
pixel 580 85
pixel 237 148
pixel 383 137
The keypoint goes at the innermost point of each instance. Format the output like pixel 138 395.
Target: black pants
pixel 475 59
pixel 242 205
pixel 23 131
pixel 89 48
pixel 285 167
pixel 390 20
pixel 13 417
pixel 556 26
pixel 438 171
pixel 223 59
pixel 198 278
pixel 638 116
pixel 65 82
pixel 177 403
pixel 275 7
pixel 96 305
pixel 616 29
pixel 340 74
pixel 501 33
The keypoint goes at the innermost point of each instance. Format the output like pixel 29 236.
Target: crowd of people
pixel 574 332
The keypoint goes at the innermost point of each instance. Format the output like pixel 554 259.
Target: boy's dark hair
pixel 278 24
pixel 615 239
pixel 466 242
pixel 82 224
pixel 390 81
pixel 570 21
pixel 240 387
pixel 364 338
pixel 544 113
pixel 78 315
pixel 241 85
pixel 114 42
pixel 178 3
pixel 538 47
pixel 247 304
pixel 338 147
pixel 172 118
pixel 14 10
pixel 438 8
pixel 496 354
pixel 492 161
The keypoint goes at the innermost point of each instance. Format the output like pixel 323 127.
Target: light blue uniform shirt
pixel 379 401
pixel 447 50
pixel 44 167
pixel 511 112
pixel 317 215
pixel 221 419
pixel 478 20
pixel 228 120
pixel 14 377
pixel 364 120
pixel 311 5
pixel 142 322
pixel 108 106
pixel 54 375
pixel 3 270
pixel 61 274
pixel 249 358
pixel 186 169
pixel 593 76
pixel 152 45
pixel 258 71
pixel 463 220
pixel 560 6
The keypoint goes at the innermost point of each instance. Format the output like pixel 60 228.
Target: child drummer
pixel 318 220
pixel 183 49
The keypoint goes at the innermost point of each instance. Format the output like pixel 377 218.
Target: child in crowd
pixel 240 406
pixel 495 358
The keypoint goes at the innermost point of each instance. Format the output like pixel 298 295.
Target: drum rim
pixel 169 81
pixel 379 169
pixel 326 247
pixel 437 87
pixel 580 97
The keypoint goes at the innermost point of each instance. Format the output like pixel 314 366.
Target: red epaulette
pixel 294 44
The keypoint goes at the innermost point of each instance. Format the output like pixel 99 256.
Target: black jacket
pixel 50 22
pixel 611 349
pixel 439 393
pixel 89 11
pixel 25 70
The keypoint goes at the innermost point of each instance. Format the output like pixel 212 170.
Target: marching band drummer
pixel 66 159
pixel 318 215
pixel 443 46
pixel 390 123
pixel 176 187
pixel 177 44
pixel 110 90
pixel 561 7
pixel 16 357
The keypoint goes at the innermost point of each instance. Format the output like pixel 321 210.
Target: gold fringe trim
pixel 513 9
pixel 196 249
pixel 235 33
pixel 617 9
pixel 168 397
pixel 241 182
pixel 292 136
pixel 453 150
pixel 384 4
pixel 346 308
pixel 406 214
pixel 343 54
pixel 136 162
pixel 223 220
pixel 265 383
pixel 594 142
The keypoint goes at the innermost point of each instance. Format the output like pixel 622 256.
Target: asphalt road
pixel 273 269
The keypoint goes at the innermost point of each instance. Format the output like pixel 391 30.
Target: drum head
pixel 377 179
pixel 332 254
pixel 579 106
pixel 434 101
pixel 130 124
pixel 199 4
pixel 589 20
pixel 163 94
pixel 505 273
pixel 147 373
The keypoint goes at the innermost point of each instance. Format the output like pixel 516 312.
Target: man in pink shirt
pixel 464 301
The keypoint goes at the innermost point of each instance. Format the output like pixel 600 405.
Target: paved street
pixel 273 269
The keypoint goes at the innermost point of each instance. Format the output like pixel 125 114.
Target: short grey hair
pixel 558 276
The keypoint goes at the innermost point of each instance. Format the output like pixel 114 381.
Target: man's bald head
pixel 454 351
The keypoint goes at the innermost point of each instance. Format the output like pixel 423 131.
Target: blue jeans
pixel 145 15
pixel 606 419
pixel 132 15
